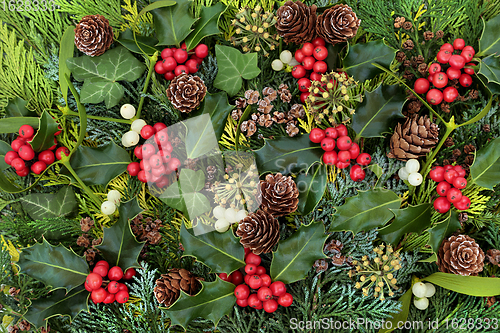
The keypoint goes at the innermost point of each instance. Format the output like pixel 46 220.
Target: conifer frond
pixel 132 19
pixel 110 9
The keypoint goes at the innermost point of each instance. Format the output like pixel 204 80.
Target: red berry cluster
pixel 258 291
pixel 439 78
pixel 345 152
pixel 177 61
pixel 156 160
pixel 22 154
pixel 451 181
pixel 115 291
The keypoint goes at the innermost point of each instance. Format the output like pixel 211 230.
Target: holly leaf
pixel 490 68
pixel 359 59
pixel 119 246
pixel 17 108
pixel 442 230
pixel 411 219
pixel 218 107
pixel 4 149
pixel 485 171
pixel 66 50
pixel 59 303
pixel 173 24
pixel 222 252
pixel 44 137
pixel 13 124
pixel 200 137
pixel 378 108
pixel 49 205
pixel 147 44
pixel 368 210
pixel 215 300
pixel 295 255
pixel 101 75
pixel 233 68
pixel 489 43
pixel 55 266
pixel 207 25
pixel 311 185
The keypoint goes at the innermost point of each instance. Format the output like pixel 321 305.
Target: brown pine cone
pixel 236 114
pixel 407 25
pixel 186 92
pixel 486 128
pixel 240 103
pixel 259 232
pixel 279 194
pixel 398 22
pixel 270 93
pixel 86 224
pixel 439 34
pixel 24 325
pixel 408 45
pixel 291 129
pixel 321 265
pixel 93 35
pixel 296 22
pixel 284 93
pixel 168 287
pixel 493 256
pixel 460 255
pixel 428 35
pixel 297 111
pixel 83 241
pixel 400 56
pixel 337 24
pixel 448 142
pixel 469 149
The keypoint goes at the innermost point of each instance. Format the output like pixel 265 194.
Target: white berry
pixel 286 56
pixel 419 289
pixel 219 212
pixel 293 62
pixel 222 225
pixel 277 65
pixel 403 174
pixel 431 290
pixel 127 111
pixel 108 208
pixel 240 215
pixel 415 179
pixel 412 165
pixel 421 303
pixel 130 139
pixel 230 215
pixel 137 125
pixel 114 196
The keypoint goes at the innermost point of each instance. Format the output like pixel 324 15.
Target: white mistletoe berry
pixel 127 111
pixel 108 208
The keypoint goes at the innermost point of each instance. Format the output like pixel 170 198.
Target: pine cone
pixel 279 194
pixel 291 129
pixel 493 256
pixel 186 92
pixel 259 232
pixel 337 24
pixel 296 22
pixel 414 139
pixel 86 224
pixel 93 35
pixel 460 255
pixel 168 287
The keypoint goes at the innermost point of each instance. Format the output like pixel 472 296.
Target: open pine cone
pixel 337 24
pixel 186 92
pixel 168 287
pixel 93 35
pixel 296 22
pixel 460 255
pixel 415 138
pixel 279 195
pixel 259 232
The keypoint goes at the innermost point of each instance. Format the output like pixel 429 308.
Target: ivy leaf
pixel 411 219
pixel 49 205
pixel 218 107
pixel 207 25
pixel 173 197
pixel 477 286
pixel 359 59
pixel 311 185
pixel 13 124
pixel 101 75
pixel 147 44
pixel 200 137
pixel 296 254
pixel 485 171
pixel 173 24
pixel 4 148
pixel 222 252
pixel 442 230
pixel 215 300
pixel 368 210
pixel 489 43
pixel 59 303
pixel 55 266
pixel 44 137
pixel 17 108
pixel 119 246
pixel 233 68
pixel 66 50
pixel 376 169
pixel 378 108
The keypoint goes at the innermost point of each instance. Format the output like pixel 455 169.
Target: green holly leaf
pixel 379 107
pixel 368 210
pixel 101 75
pixel 173 24
pixel 489 43
pixel 207 25
pixel 233 68
pixel 55 266
pixel 59 303
pixel 13 124
pixel 218 107
pixel 490 68
pixel 4 149
pixel 411 219
pixel 215 300
pixel 44 137
pixel 477 286
pixel 443 229
pixel 296 254
pixel 311 185
pixel 485 171
pixel 66 50
pixel 222 252
pixel 200 137
pixel 49 205
pixel 119 246
pixel 147 44
pixel 359 59
pixel 17 108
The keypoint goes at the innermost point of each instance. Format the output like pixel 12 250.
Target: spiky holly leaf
pixel 17 108
pixel 207 25
pixel 485 171
pixel 443 229
pixel 12 124
pixel 44 137
pixel 173 23
pixel 47 205
pixel 218 107
pixel 359 59
pixel 489 43
pixel 4 149
pixel 411 219
pixel 311 185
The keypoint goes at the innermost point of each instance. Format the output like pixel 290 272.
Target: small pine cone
pixel 400 56
pixel 279 117
pixel 448 142
pixel 408 45
pixel 296 22
pixel 186 92
pixel 284 93
pixel 428 35
pixel 86 224
pixel 414 107
pixel 463 217
pixel 279 194
pixel 407 63
pixel 493 256
pixel 265 105
pixel 321 265
pixel 486 128
pixel 45 330
pixel 270 93
pixel 408 75
pixel 337 24
pixel 252 96
pixel 338 260
pixel 13 329
pixel 93 35
pixel 447 162
pixel 24 325
pixel 439 34
pixel 168 287
pixel 407 25
pixel 236 114
pixel 460 255
pixel 445 107
pixel 422 68
pixel 83 241
pixel 249 127
pixel 240 103
pixel 154 237
pixel 259 232
pixel 469 149
pixel 490 301
pixel 456 153
pixel 291 129
pixel 297 111
pixel 97 241
pixel 265 120
pixel 89 255
pixel 334 246
pixel 398 22
pixel 473 94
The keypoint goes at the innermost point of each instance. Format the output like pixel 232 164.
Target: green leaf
pixel 288 155
pixel 222 252
pixel 66 50
pixel 207 25
pixel 490 68
pixel 191 181
pixel 119 246
pixel 357 62
pixel 442 230
pixel 13 124
pixel 48 205
pixel 44 137
pixel 432 258
pixel 58 304
pixel 101 75
pixel 469 285
pixel 17 108
pixel 485 171
pixel 55 266
pixel 489 43
pixel 376 169
pixel 411 219
pixel 200 137
pixel 218 107
pixel 156 5
pixel 296 254
pixel 378 108
pixel 233 68
pixel 4 148
pixel 311 185
pixel 401 317
pixel 147 44
pixel 98 166
pixel 215 300
pixel 173 24
pixel 368 210
pixel 172 197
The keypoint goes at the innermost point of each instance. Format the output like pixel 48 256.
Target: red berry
pixel 47 157
pixel 342 130
pixel 448 167
pixel 173 164
pixel 315 76
pixel 344 156
pixel 147 132
pixel 26 131
pixel 169 64
pixel 364 159
pixel 357 173
pixel 23 172
pixel 60 151
pixel 468 53
pixel 286 300
pixel 449 175
pixel 344 143
pixel 103 262
pixel 115 273
pixel 304 84
pixel 342 165
pixel 460 183
pixel 260 270
pixel 242 291
pixel 255 282
pixel 138 152
pixel 26 152
pixel 316 135
pixel 250 269
pixel 87 287
pixel 16 144
pixel 278 288
pixel 457 61
pixel 330 158
pixel 98 295
pixel 192 65
pixel 465 80
pixel 443 187
pixel 169 76
pixel 264 294
pixel 142 176
pixel 167 53
pixel 254 302
pixel 299 55
pixel 320 67
pixel 201 51
pixel 225 277
pixel 122 286
pixel 458 44
pixel 38 167
pixel 159 126
pixel 113 287
pixel 308 49
pixel 460 170
pixel 236 278
pixel 242 302
pixel 246 278
pixel 450 94
pixel 9 156
pixel 109 299
pixel 122 296
pixel 354 151
pixel 180 56
pixel 94 281
pixel 318 41
pixel 161 138
pixel 421 85
pixel 430 78
pixel 320 53
pixel 181 69
pixel 298 71
pixel 440 80
pixel 437 174
pixel 308 63
pixel 129 274
pixel 454 195
pixel 328 144
pixel 453 73
pixel 254 259
pixel 147 151
pixel 167 146
pixel 444 56
pixel 101 270
pixel 270 306
pixel 434 96
pixel 331 133
pixel 448 47
pixel 304 96
pixel 463 203
pixel 442 205
pixel 469 70
pixel 434 68
pixel 18 164
pixel 144 165
pixel 159 67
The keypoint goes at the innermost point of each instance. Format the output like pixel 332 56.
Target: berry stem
pixel 152 63
pixel 123 121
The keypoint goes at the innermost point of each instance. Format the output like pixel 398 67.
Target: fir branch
pixel 110 9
